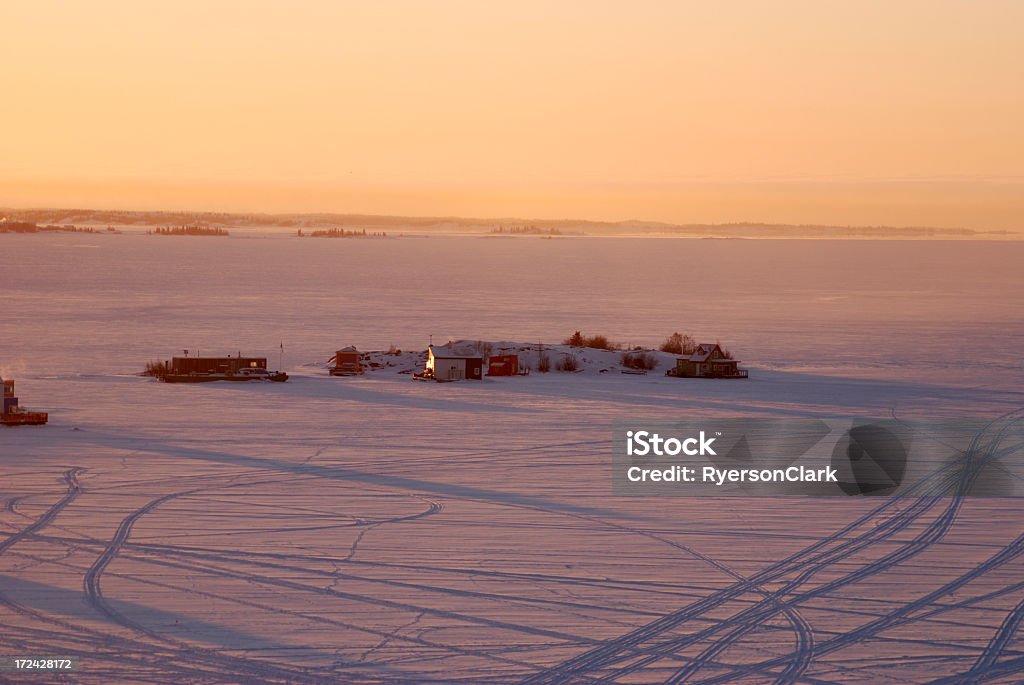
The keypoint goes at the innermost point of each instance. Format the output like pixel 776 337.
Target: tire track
pixel 820 561
pixel 616 650
pixel 91 580
pixel 74 489
pixel 94 593
pixel 803 633
pixel 900 615
pixel 112 549
pixel 434 508
pixel 753 617
pixel 1000 641
pixel 621 648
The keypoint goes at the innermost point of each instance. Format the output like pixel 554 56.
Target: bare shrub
pixel 597 342
pixel 543 363
pixel 567 363
pixel 639 360
pixel 575 340
pixel 157 369
pixel 679 343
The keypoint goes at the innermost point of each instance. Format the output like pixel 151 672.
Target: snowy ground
pixel 375 529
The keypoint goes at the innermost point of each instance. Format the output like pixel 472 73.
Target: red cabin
pixel 13 415
pixel 347 362
pixel 503 365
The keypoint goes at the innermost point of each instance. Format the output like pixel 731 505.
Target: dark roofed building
pixel 186 365
pixel 707 361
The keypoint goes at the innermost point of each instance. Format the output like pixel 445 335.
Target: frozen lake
pixel 379 530
pixel 937 311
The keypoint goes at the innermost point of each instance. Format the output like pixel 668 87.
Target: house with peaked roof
pixel 347 362
pixel 707 361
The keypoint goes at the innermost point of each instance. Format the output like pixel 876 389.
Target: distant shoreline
pixel 100 220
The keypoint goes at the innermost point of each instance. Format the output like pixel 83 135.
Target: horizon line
pixel 497 220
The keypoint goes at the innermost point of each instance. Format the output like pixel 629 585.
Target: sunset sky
pixel 829 112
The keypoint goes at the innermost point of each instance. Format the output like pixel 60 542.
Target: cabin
pixel 449 363
pixel 13 415
pixel 707 361
pixel 503 365
pixel 183 366
pixel 347 362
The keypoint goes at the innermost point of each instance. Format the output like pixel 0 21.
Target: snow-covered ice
pixel 373 529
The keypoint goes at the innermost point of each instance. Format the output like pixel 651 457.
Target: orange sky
pixel 833 112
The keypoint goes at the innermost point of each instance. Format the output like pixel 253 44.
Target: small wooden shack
pixel 449 363
pixel 503 365
pixel 347 362
pixel 13 415
pixel 707 361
